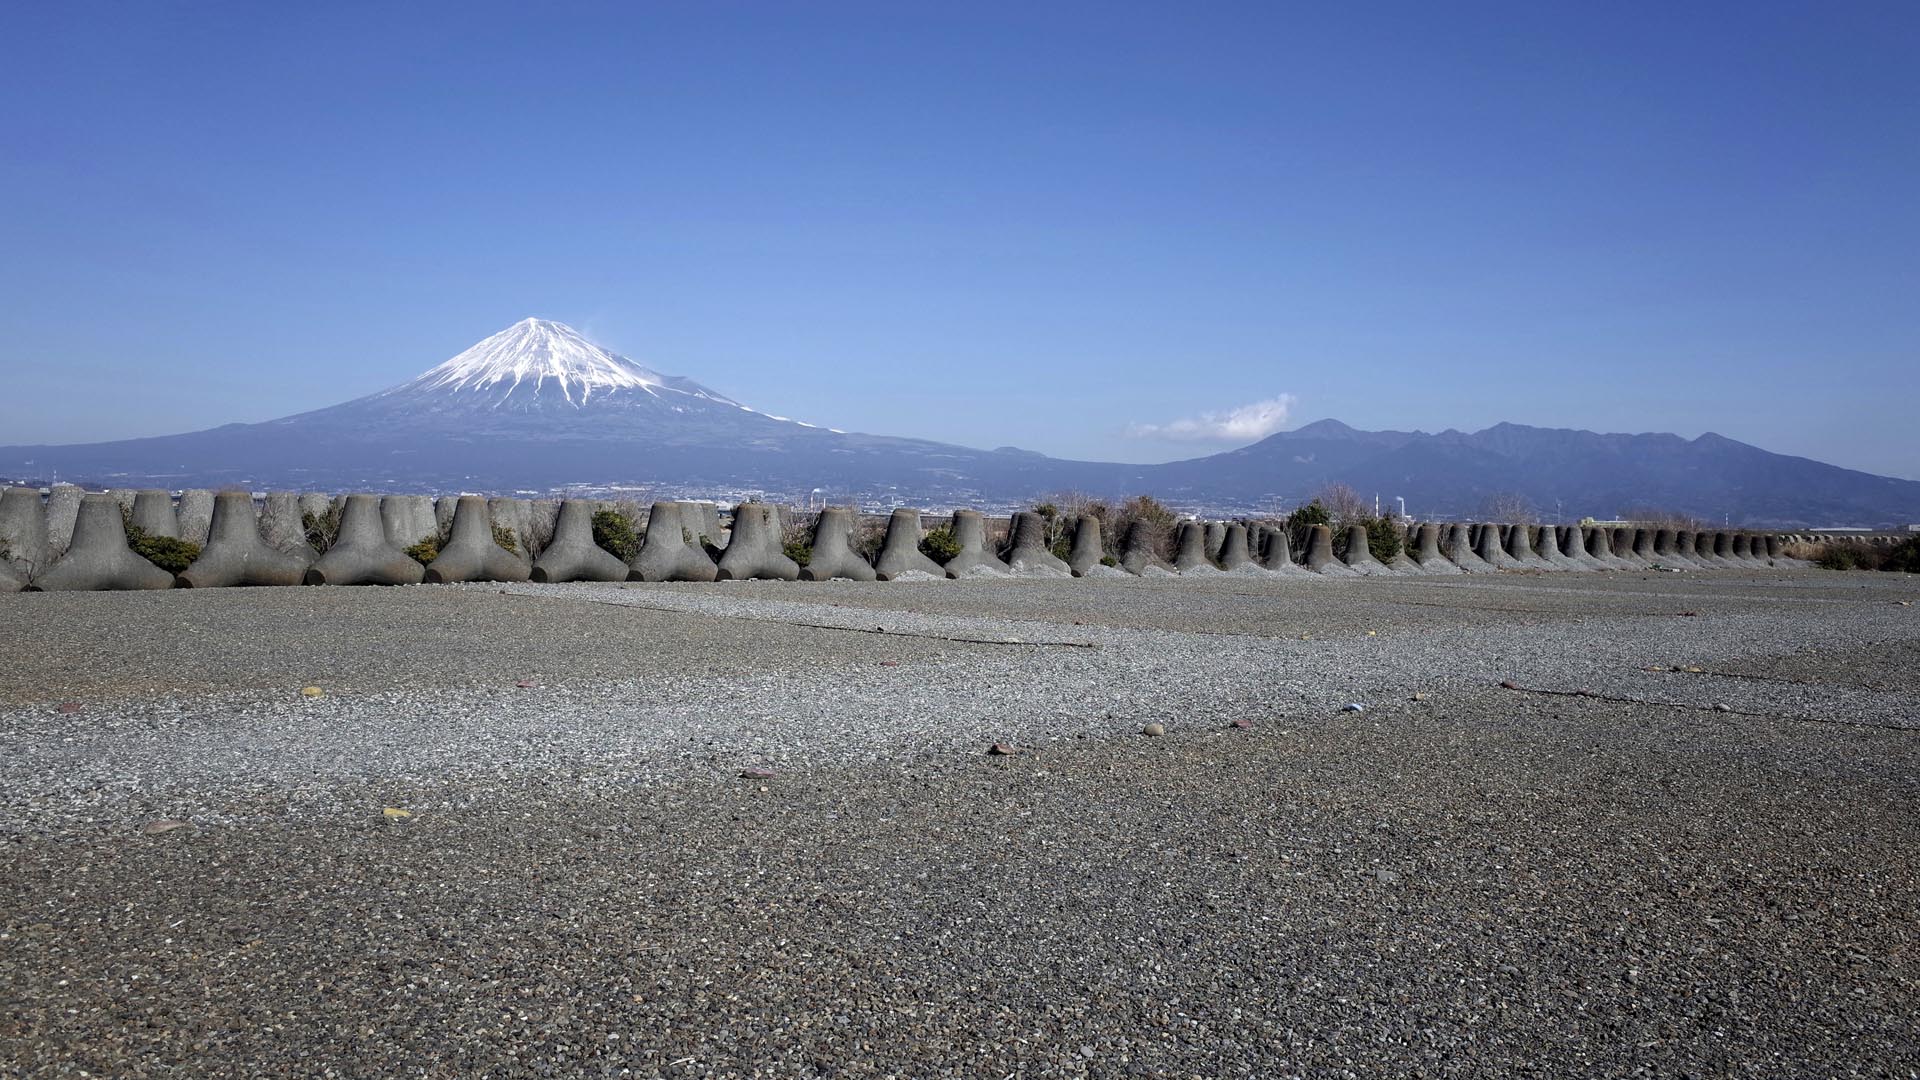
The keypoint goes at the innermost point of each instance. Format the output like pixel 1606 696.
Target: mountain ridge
pixel 539 407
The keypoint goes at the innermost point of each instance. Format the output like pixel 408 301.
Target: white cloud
pixel 1244 424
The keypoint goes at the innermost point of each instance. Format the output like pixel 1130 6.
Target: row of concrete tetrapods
pixel 76 541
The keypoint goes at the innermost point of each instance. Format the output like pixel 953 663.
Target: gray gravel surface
pixel 1483 881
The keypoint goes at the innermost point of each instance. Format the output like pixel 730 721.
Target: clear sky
pixel 1111 230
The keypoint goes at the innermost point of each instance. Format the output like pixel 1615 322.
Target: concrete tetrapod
pixel 1599 545
pixel 443 509
pixel 360 554
pixel 1320 557
pixel 235 554
pixel 516 517
pixel 1359 554
pixel 1683 543
pixel 1402 562
pixel 195 513
pixel 1085 557
pixel 754 549
pixel 900 550
pixel 572 555
pixel 1459 550
pixel 1620 542
pixel 1518 544
pixel 10 582
pixel 1487 546
pixel 1722 551
pixel 282 527
pixel 63 509
pixel 99 558
pixel 702 522
pixel 1666 550
pixel 1140 555
pixel 407 519
pixel 1573 544
pixel 153 513
pixel 1426 550
pixel 1190 550
pixel 1743 550
pixel 23 532
pixel 1643 546
pixel 1028 554
pixel 543 521
pixel 1235 555
pixel 833 555
pixel 318 504
pixel 970 532
pixel 1216 536
pixel 1546 544
pixel 1276 554
pixel 470 553
pixel 668 553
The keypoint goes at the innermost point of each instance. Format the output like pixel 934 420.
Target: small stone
pixel 1373 633
pixel 756 774
pixel 1154 729
pixel 1243 723
pixel 1353 706
pixel 392 812
pixel 1386 877
pixel 1509 684
pixel 154 828
pixel 68 707
pixel 1722 707
pixel 1000 749
pixel 1696 671
pixel 311 691
pixel 526 684
pixel 1419 695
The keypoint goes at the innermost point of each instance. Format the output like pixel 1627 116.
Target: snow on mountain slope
pixel 536 361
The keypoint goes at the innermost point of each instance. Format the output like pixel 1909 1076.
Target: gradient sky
pixel 1102 230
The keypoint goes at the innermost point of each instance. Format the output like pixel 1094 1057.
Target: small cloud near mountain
pixel 1246 423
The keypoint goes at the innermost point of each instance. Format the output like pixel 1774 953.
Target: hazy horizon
pixel 1097 233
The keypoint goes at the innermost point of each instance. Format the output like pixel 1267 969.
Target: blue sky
pixel 1119 231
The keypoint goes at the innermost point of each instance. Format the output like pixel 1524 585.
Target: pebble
pixel 1154 729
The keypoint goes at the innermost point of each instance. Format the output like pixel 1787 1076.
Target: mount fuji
pixel 538 407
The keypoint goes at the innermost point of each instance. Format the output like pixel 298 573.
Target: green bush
pixel 425 551
pixel 613 531
pixel 1848 555
pixel 165 552
pixel 1383 537
pixel 1904 557
pixel 1300 523
pixel 1061 549
pixel 1108 560
pixel 799 551
pixel 503 536
pixel 940 545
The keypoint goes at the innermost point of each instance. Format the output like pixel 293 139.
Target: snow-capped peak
pixel 544 357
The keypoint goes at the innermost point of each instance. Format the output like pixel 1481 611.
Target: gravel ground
pixel 1677 872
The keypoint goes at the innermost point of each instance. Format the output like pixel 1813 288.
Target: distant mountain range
pixel 538 407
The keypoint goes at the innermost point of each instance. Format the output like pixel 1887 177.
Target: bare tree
pixel 1343 504
pixel 1508 507
pixel 1149 513
pixel 1662 518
